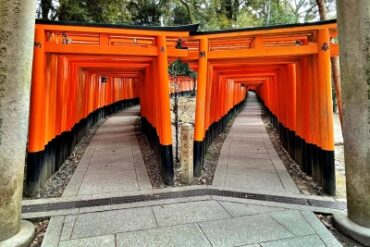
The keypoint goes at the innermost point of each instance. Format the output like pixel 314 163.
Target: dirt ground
pixel 40 229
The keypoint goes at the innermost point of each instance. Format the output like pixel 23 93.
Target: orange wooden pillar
pixel 199 129
pixel 310 119
pixel 36 136
pixel 306 84
pixel 326 114
pixel 284 101
pixel 291 104
pixel 299 118
pixel 274 105
pixel 208 108
pixel 309 106
pixel 315 118
pixel 165 138
pixel 50 110
pixel 61 112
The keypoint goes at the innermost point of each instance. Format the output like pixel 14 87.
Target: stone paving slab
pixel 313 241
pixel 320 229
pixel 95 224
pixel 293 221
pixel 238 209
pixel 261 182
pixel 68 224
pixel 243 230
pixel 184 235
pixel 112 162
pixel 177 214
pixel 119 165
pixel 53 232
pixel 253 169
pixel 99 241
pixel 105 181
pixel 248 159
pixel 227 224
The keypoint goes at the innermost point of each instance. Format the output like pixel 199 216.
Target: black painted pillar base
pixel 316 170
pixel 198 152
pixel 328 172
pixel 166 158
pixel 308 163
pixel 35 167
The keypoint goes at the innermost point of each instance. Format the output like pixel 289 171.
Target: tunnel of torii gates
pixel 84 72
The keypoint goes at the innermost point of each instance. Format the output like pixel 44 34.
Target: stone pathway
pixel 248 159
pixel 195 222
pixel 112 162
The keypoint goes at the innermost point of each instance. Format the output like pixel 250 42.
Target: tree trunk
pixel 354 36
pixel 45 8
pixel 338 90
pixel 187 7
pixel 17 22
pixel 322 9
pixel 334 64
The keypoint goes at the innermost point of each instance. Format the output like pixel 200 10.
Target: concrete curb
pixel 351 229
pixel 22 238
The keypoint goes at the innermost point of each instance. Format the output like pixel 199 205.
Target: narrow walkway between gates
pixel 248 159
pixel 112 162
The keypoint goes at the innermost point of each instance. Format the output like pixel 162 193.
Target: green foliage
pixel 210 14
pixel 147 12
pixel 180 16
pixel 180 68
pixel 97 11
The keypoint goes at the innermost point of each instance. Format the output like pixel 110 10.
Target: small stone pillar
pixel 186 153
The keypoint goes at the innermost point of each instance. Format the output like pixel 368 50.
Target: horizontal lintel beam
pixel 309 49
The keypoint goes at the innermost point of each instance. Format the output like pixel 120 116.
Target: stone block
pixel 186 175
pixel 308 241
pixel 184 236
pixel 99 241
pixel 103 223
pixel 190 212
pixel 239 209
pixel 293 221
pixel 244 230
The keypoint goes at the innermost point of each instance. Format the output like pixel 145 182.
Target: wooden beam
pixel 98 50
pixel 310 49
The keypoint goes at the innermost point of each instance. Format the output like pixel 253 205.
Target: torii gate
pixel 64 52
pixel 300 58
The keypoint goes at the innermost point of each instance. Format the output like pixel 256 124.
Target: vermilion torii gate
pixel 83 72
pixel 289 67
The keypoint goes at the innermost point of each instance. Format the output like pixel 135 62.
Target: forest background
pixel 210 14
